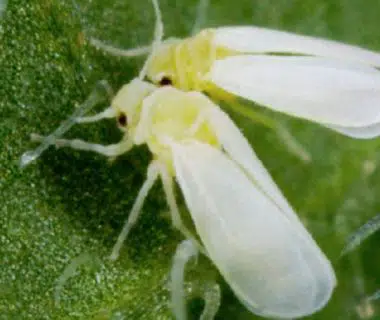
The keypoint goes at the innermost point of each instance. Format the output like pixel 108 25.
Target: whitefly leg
pixel 97 96
pixel 283 133
pixel 365 231
pixel 106 114
pixel 292 144
pixel 112 150
pixel 152 175
pixel 167 182
pixel 71 270
pixel 212 297
pixel 185 251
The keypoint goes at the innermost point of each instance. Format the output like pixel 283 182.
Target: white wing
pixel 239 149
pixel 264 256
pixel 262 40
pixel 321 90
pixel 368 132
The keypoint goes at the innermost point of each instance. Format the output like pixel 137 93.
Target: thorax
pixel 170 115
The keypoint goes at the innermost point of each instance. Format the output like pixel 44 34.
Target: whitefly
pixel 244 223
pixel 334 84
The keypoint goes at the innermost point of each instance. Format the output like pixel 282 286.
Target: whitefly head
pixel 161 68
pixel 127 103
pixel 185 62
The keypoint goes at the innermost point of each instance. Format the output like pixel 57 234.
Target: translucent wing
pixel 367 132
pixel 321 90
pixel 262 40
pixel 239 149
pixel 265 257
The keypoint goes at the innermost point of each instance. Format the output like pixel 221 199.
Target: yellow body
pixel 158 115
pixel 186 62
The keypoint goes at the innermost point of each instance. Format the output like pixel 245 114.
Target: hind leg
pixel 289 141
pixel 186 250
pixel 212 298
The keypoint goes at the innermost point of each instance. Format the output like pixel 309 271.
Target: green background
pixel 72 204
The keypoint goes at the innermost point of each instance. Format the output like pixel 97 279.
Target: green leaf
pixel 67 209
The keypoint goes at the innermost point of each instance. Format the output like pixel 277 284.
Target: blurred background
pixel 60 217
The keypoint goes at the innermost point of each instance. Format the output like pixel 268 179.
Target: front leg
pixel 106 114
pixel 111 150
pixel 97 96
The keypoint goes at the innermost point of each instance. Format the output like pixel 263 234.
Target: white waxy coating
pixel 271 265
pixel 250 39
pixel 322 90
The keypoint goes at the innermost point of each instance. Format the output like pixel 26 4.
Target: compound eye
pixel 122 120
pixel 165 81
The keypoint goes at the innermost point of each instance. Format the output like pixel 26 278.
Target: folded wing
pixel 264 255
pixel 262 40
pixel 365 132
pixel 317 89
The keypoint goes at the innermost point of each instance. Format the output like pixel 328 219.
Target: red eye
pixel 122 120
pixel 165 81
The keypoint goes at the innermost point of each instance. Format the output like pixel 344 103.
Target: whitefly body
pixel 334 84
pixel 245 225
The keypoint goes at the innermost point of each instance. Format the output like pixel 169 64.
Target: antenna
pixel 158 35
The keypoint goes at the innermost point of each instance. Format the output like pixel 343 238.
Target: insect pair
pixel 244 223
